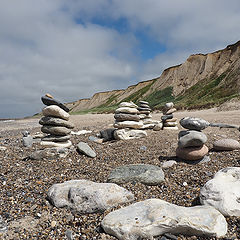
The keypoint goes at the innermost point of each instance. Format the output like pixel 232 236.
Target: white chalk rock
pixel 128 104
pixel 223 192
pixel 126 134
pixel 170 128
pixel 55 111
pixel 128 124
pixel 66 144
pixel 154 217
pixel 85 196
pixel 127 110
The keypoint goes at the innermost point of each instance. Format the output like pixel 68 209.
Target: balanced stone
pixel 170 128
pixel 55 111
pixel 50 101
pixel 158 127
pixel 127 110
pixel 168 105
pixel 154 217
pixel 55 130
pixel 144 102
pixel 55 138
pixel 194 123
pixel 128 124
pixel 126 117
pixel 144 106
pixel 55 122
pixel 171 120
pixel 144 173
pixel 165 117
pixel 192 153
pixel 170 124
pixel 107 134
pixel 83 196
pixel 65 144
pixel 223 192
pixel 126 134
pixel 170 111
pixel 144 109
pixel 226 145
pixel 128 104
pixel 86 149
pixel 191 138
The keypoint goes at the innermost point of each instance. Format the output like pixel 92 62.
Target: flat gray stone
pixel 126 117
pixel 55 130
pixel 165 117
pixel 194 123
pixel 155 217
pixel 83 196
pixel 107 134
pixel 127 104
pixel 55 138
pixel 144 106
pixel 143 102
pixel 226 144
pixel 55 111
pixel 144 173
pixel 50 101
pixel 191 138
pixel 85 149
pixel 55 122
pixel 127 110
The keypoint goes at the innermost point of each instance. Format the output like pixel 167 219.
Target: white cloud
pixel 43 48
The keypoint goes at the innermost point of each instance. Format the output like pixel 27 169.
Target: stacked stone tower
pixel 55 123
pixel 169 122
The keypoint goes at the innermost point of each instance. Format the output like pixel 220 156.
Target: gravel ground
pixel 25 182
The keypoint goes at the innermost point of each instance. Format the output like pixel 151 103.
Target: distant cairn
pixel 55 123
pixel 169 122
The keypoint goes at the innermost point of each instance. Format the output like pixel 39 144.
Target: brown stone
pixel 49 95
pixel 192 153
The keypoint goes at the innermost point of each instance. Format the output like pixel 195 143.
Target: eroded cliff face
pixel 197 68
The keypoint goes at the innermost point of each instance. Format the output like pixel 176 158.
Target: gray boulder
pixel 194 123
pixel 85 149
pixel 154 217
pixel 191 138
pixel 107 134
pixel 83 196
pixel 144 173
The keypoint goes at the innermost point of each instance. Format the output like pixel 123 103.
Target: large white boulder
pixel 223 192
pixel 126 134
pixel 85 196
pixel 154 217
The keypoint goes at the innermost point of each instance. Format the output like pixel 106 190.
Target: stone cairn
pixel 55 123
pixel 169 122
pixel 128 122
pixel 145 114
pixel 191 143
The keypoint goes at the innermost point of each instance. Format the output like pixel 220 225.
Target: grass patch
pixel 107 109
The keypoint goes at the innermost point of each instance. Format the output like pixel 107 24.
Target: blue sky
pixel 73 49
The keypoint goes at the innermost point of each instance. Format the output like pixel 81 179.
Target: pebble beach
pixel 26 212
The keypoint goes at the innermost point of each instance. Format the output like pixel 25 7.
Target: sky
pixel 75 48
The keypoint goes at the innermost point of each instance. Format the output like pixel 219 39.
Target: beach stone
pixel 127 110
pixel 191 138
pixel 55 111
pixel 128 124
pixel 27 141
pixel 154 217
pixel 55 130
pixel 55 122
pixel 146 112
pixel 192 153
pixel 3 225
pixel 126 117
pixel 170 128
pixel 144 173
pixel 95 139
pixel 49 153
pixel 107 134
pixel 168 105
pixel 49 95
pixel 165 117
pixel 170 124
pixel 144 106
pixel 194 123
pixel 54 138
pixel 168 164
pixel 86 149
pixel 143 102
pixel 25 133
pixel 128 104
pixel 223 192
pixel 2 148
pixel 148 126
pixel 51 101
pixel 170 111
pixel 126 134
pixel 144 109
pixel 66 144
pixel 226 144
pixel 171 120
pixel 158 126
pixel 150 121
pixel 83 196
